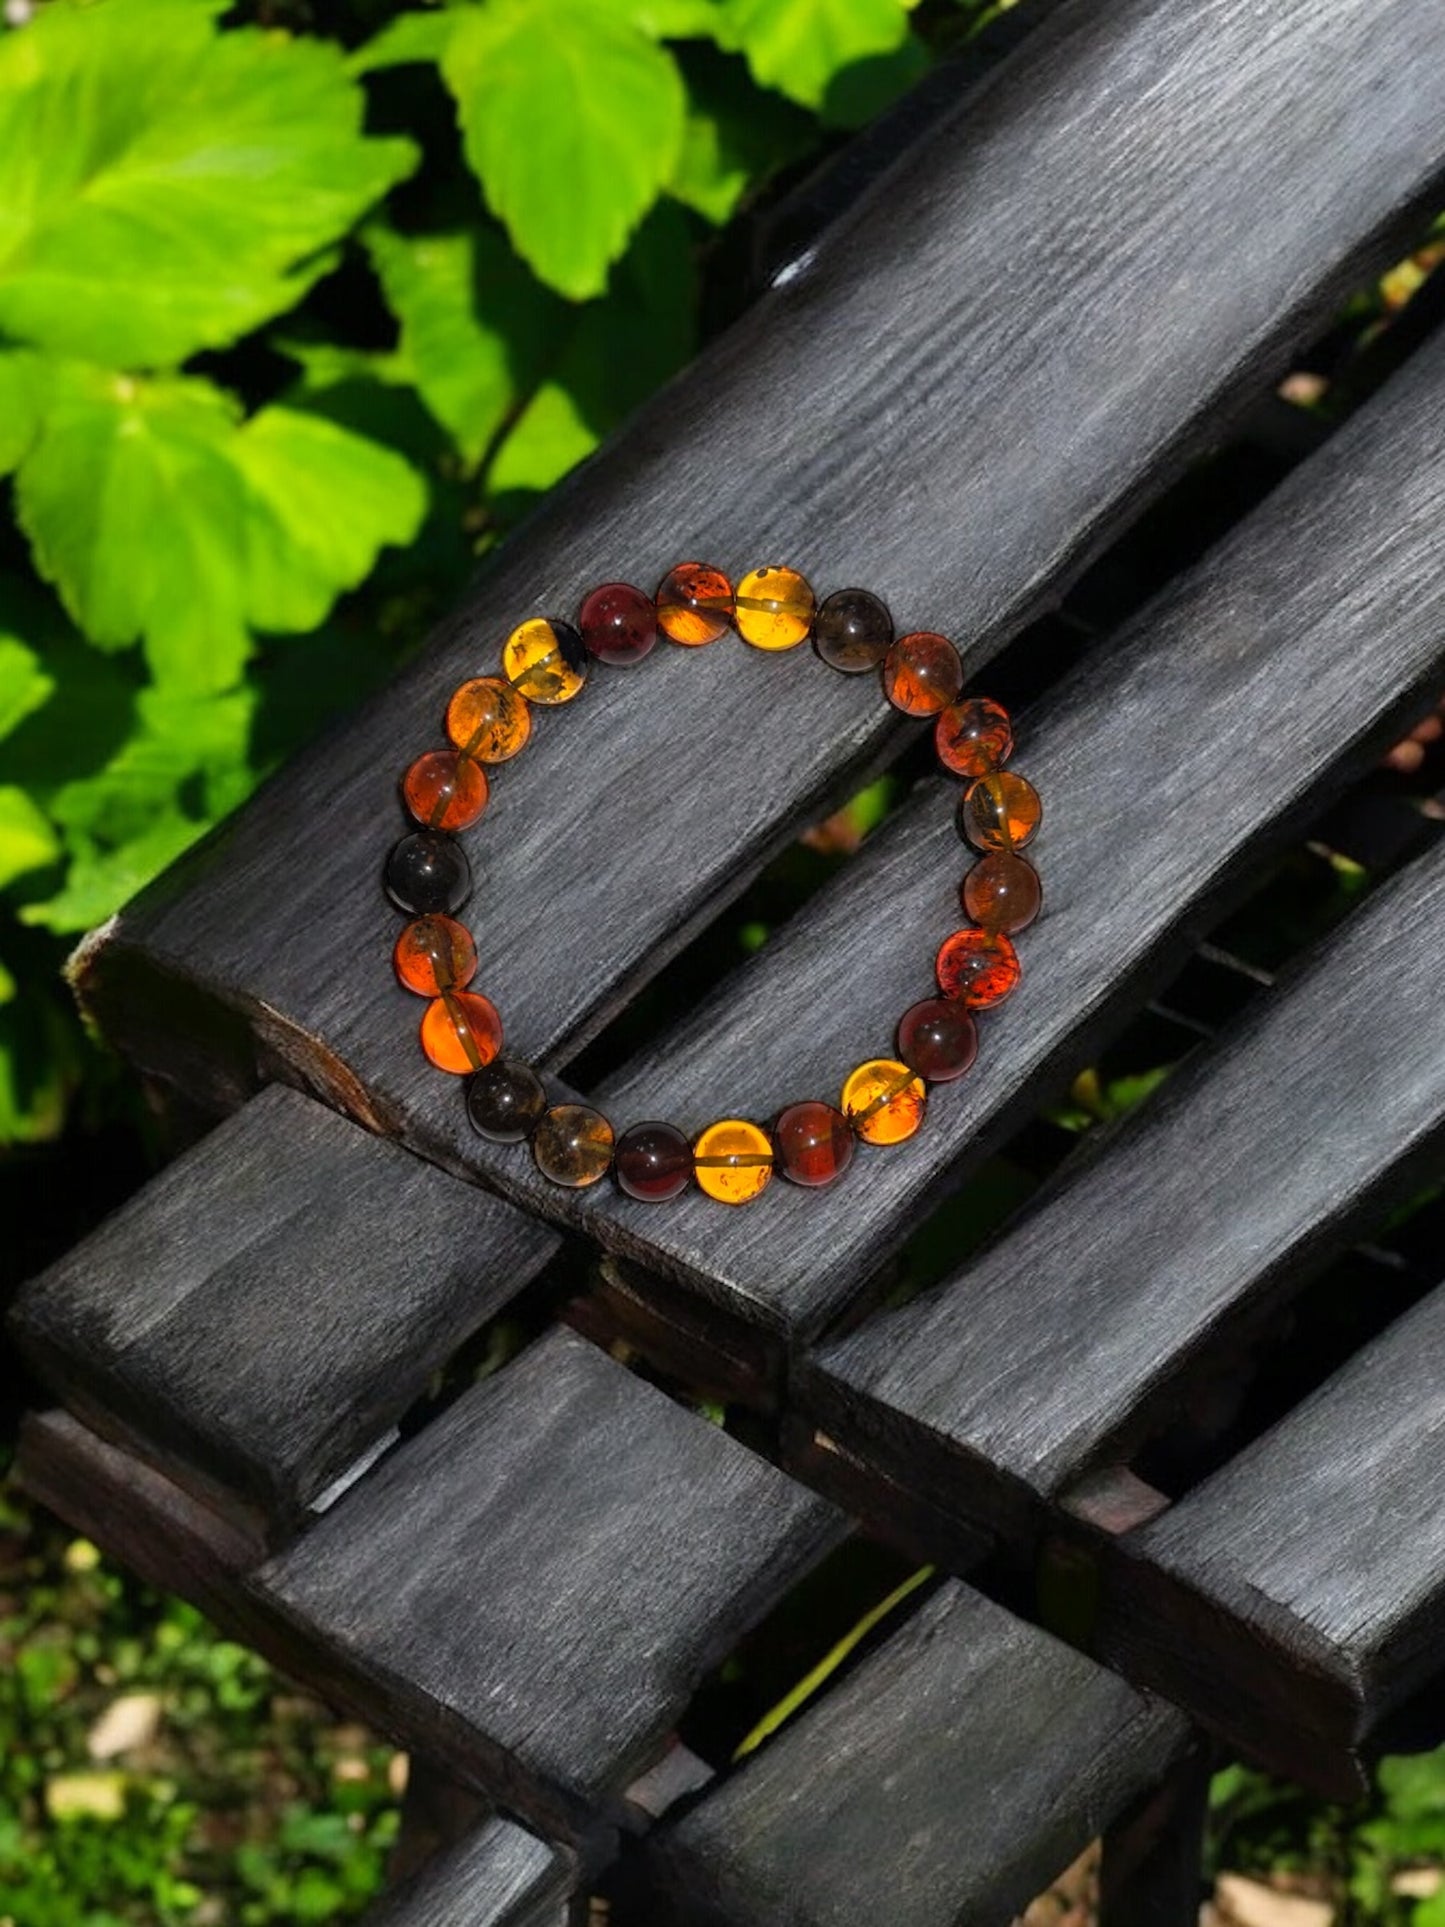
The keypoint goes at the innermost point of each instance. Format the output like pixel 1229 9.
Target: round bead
pixel 506 1101
pixel 435 954
pixel 694 604
pixel 884 1101
pixel 461 1031
pixel 938 1039
pixel 733 1160
pixel 815 1143
pixel 852 631
pixel 774 608
pixel 999 812
pixel 445 790
pixel 973 737
pixel 543 659
pixel 1002 892
pixel 618 624
pixel 426 872
pixel 572 1145
pixel 922 673
pixel 978 967
pixel 488 720
pixel 652 1162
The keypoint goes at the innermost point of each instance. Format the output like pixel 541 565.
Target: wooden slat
pixel 1310 1572
pixel 269 1305
pixel 498 1876
pixel 530 1589
pixel 947 1780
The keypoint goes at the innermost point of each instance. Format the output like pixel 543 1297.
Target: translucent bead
pixel 774 608
pixel 445 790
pixel 652 1162
pixel 694 604
pixel 922 673
pixel 852 631
pixel 978 967
pixel 461 1031
pixel 815 1143
pixel 618 624
pixel 1002 892
pixel 884 1101
pixel 488 720
pixel 973 737
pixel 938 1039
pixel 426 872
pixel 506 1101
pixel 544 660
pixel 435 954
pixel 999 812
pixel 733 1160
pixel 572 1145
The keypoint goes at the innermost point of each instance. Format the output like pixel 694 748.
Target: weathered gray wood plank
pixel 498 1876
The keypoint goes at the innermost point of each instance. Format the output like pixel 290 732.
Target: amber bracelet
pixel 488 721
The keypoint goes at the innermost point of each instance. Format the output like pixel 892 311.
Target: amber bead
pixel 973 737
pixel 461 1031
pixel 427 872
pixel 694 604
pixel 999 812
pixel 652 1162
pixel 852 631
pixel 435 954
pixel 979 967
pixel 506 1101
pixel 618 624
pixel 938 1039
pixel 488 719
pixel 922 673
pixel 733 1160
pixel 1002 892
pixel 445 790
pixel 815 1143
pixel 774 608
pixel 572 1145
pixel 543 659
pixel 884 1101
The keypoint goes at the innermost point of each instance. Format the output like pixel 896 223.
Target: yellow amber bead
pixel 884 1101
pixel 733 1160
pixel 487 719
pixel 544 660
pixel 774 609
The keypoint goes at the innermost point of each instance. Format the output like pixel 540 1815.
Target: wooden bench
pixel 1080 273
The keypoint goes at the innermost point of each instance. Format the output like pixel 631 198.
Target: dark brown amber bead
pixel 999 812
pixel 426 872
pixel 506 1101
pixel 938 1039
pixel 488 719
pixel 445 790
pixel 652 1162
pixel 461 1031
pixel 852 631
pixel 814 1143
pixel 978 967
pixel 694 604
pixel 973 737
pixel 618 624
pixel 1002 892
pixel 435 954
pixel 572 1145
pixel 922 673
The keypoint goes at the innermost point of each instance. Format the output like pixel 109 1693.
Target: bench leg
pixel 1152 1866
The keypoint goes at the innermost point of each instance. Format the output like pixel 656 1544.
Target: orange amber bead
pixel 434 954
pixel 733 1160
pixel 488 719
pixel 922 673
pixel 999 812
pixel 774 608
pixel 973 737
pixel 461 1031
pixel 445 790
pixel 694 603
pixel 544 660
pixel 884 1101
pixel 1002 892
pixel 978 967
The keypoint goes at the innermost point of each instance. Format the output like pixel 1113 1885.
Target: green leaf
pixel 405 41
pixel 22 391
pixel 799 46
pixel 572 120
pixel 736 136
pixel 27 841
pixel 24 685
pixel 164 186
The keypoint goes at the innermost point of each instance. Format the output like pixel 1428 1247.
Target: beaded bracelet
pixel 488 720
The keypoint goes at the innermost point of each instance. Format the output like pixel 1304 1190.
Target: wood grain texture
pixel 942 1784
pixel 498 1876
pixel 262 1311
pixel 1049 1353
pixel 530 1590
